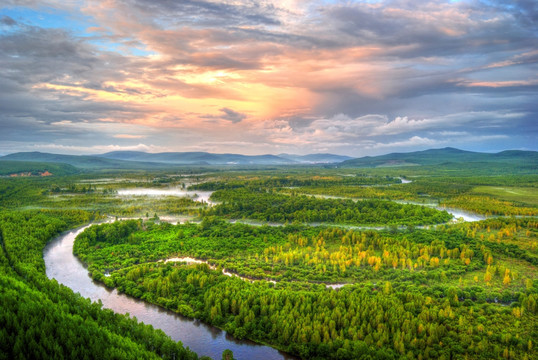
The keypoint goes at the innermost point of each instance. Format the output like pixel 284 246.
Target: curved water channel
pixel 204 339
pixel 190 261
pixel 207 340
pixel 203 196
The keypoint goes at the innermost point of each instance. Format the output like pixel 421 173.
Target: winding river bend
pixel 207 340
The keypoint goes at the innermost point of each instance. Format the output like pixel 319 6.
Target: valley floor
pixel 362 269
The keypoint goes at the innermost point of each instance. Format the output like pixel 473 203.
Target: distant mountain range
pixel 446 155
pixel 205 158
pixel 143 160
pixel 80 161
pixel 32 168
pixel 316 158
pixel 153 161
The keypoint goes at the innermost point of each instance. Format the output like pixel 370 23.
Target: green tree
pixel 228 355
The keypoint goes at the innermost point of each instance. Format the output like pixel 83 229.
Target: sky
pixel 261 76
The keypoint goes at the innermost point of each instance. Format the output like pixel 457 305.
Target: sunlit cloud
pixel 268 76
pixel 77 149
pixel 500 84
pixel 128 136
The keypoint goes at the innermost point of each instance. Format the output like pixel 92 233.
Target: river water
pixel 207 340
pixel 462 214
pixel 202 196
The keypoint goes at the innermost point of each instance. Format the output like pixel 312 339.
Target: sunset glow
pixel 355 78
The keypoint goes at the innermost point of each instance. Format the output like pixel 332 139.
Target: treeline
pixel 526 180
pixel 489 206
pixel 30 168
pixel 132 242
pixel 42 319
pixel 311 254
pixel 16 192
pixel 513 237
pixel 299 181
pixel 449 191
pixel 284 253
pixel 63 193
pixel 275 207
pixel 389 318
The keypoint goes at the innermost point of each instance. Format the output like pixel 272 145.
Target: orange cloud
pixel 501 84
pixel 128 136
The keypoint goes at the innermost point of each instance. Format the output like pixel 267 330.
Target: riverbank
pixel 204 339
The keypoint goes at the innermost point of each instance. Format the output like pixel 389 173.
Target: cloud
pixel 10 147
pixel 227 114
pixel 503 84
pixel 469 120
pixel 128 136
pixel 231 115
pixel 413 142
pixel 6 20
pixel 351 77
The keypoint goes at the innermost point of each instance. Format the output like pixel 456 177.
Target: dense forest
pixel 42 319
pixel 344 274
pixel 274 207
pixel 407 294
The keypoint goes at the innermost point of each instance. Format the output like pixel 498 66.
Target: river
pixel 207 340
pixel 467 216
pixel 201 196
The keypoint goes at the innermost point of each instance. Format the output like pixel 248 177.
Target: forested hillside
pixel 42 319
pixel 347 273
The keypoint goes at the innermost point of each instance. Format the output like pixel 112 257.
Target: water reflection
pixel 63 266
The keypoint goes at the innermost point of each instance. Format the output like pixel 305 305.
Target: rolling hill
pixel 149 161
pixel 80 161
pixel 316 158
pixel 445 156
pixel 32 168
pixel 448 157
pixel 195 158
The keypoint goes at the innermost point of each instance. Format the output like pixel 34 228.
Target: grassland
pixel 524 195
pixel 455 290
